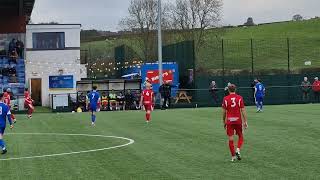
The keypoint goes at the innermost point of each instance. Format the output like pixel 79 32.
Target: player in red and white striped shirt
pixel 234 118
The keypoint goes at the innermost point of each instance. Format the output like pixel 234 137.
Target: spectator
pixel 13 78
pixel 120 101
pixel 13 56
pixel 161 92
pixel 12 45
pixel 113 100
pixel 226 89
pixel 104 101
pixel 167 87
pixel 316 89
pixel 137 98
pixel 305 87
pixel 129 100
pixel 83 101
pixel 213 90
pixel 20 48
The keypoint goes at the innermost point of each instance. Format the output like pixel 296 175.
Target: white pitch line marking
pixel 131 141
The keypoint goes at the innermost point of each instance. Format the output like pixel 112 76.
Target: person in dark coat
pixel 165 91
pixel 213 90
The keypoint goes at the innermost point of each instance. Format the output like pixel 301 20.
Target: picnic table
pixel 182 95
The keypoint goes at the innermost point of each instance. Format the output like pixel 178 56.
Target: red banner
pixel 153 76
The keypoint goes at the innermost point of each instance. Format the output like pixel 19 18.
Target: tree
pixel 194 17
pixel 297 17
pixel 142 19
pixel 249 22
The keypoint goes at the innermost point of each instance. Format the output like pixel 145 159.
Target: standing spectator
pixel 213 91
pixel 129 100
pixel 162 94
pixel 226 89
pixel 20 48
pixel 167 95
pixel 12 45
pixel 305 87
pixel 137 97
pixel 316 89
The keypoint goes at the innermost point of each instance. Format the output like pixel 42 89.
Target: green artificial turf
pixel 281 143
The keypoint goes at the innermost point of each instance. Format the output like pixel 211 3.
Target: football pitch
pixel 281 143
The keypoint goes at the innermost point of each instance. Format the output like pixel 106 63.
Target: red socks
pixel 148 117
pixel 240 141
pixel 12 117
pixel 30 111
pixel 231 147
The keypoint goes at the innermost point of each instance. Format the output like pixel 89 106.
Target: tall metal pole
pixel 160 42
pixel 252 58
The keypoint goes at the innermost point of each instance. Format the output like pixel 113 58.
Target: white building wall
pixel 45 63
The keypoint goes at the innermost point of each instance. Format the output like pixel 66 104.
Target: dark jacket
pixel 305 86
pixel 165 90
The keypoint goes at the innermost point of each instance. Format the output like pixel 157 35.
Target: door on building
pixel 36 91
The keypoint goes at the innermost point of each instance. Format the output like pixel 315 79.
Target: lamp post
pixel 160 42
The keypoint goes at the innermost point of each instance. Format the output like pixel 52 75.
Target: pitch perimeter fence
pixel 259 56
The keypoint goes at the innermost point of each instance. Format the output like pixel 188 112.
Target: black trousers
pixel 317 96
pixel 166 99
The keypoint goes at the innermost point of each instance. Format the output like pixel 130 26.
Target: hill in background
pixel 271 45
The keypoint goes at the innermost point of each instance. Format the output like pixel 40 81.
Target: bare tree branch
pixel 194 17
pixel 142 19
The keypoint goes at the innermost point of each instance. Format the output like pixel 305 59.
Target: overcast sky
pixel 105 14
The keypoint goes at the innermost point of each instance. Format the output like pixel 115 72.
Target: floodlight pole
pixel 160 42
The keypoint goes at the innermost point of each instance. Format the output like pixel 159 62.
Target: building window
pixel 48 40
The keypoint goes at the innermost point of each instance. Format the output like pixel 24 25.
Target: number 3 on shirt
pixel 233 102
pixel 0 110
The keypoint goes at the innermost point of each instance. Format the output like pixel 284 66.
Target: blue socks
pixel 93 118
pixel 259 105
pixel 2 144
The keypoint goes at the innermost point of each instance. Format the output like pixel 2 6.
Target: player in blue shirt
pixel 259 94
pixel 4 114
pixel 94 103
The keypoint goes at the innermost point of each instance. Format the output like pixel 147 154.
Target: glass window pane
pixel 48 40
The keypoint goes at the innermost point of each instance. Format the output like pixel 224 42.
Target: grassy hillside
pixel 269 50
pixel 300 29
pixel 270 46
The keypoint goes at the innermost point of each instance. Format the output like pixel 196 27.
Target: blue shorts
pixel 93 108
pixel 259 99
pixel 2 129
